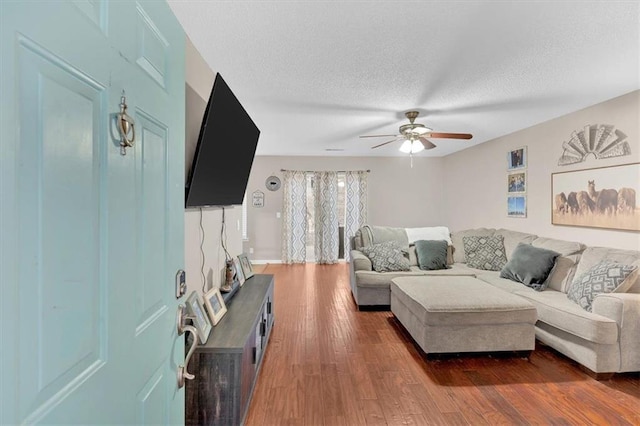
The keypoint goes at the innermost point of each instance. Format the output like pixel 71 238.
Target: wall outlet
pixel 238 224
pixel 250 250
pixel 278 215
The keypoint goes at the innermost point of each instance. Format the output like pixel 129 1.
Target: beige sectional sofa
pixel 605 340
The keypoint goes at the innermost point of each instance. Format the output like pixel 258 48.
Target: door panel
pixel 49 92
pixel 91 239
pixel 151 189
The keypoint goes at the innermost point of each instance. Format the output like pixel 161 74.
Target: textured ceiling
pixel 316 74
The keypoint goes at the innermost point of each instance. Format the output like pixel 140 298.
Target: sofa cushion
pixel 413 257
pixel 530 266
pixel 603 277
pixel 556 310
pixel 383 279
pixel 563 273
pixel 432 255
pixel 369 234
pixel 593 255
pixel 387 256
pixel 458 245
pixel 360 261
pixel 512 239
pixel 485 252
pixel 493 278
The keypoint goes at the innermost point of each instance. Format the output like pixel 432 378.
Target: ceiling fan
pixel 415 135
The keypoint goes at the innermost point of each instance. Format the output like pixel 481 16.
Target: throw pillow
pixel 603 277
pixel 432 254
pixel 386 257
pixel 530 266
pixel 485 252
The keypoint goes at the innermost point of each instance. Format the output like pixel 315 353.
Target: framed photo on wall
pixel 517 206
pixel 215 305
pixel 517 182
pixel 199 317
pixel 517 158
pixel 247 269
pixel 603 197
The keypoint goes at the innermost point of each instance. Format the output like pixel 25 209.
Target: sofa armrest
pixel 624 309
pixel 360 262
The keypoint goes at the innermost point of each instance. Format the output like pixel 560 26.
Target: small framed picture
pixel 517 159
pixel 257 199
pixel 247 269
pixel 215 305
pixel 517 206
pixel 239 274
pixel 517 182
pixel 200 321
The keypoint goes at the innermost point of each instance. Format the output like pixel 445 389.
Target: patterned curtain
pixel 326 216
pixel 294 221
pixel 356 207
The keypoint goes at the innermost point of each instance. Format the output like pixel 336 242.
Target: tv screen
pixel 224 153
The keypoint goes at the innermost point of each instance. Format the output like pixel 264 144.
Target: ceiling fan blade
pixel 427 143
pixel 450 135
pixel 385 143
pixel 378 136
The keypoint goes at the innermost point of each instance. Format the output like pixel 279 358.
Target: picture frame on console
pixel 196 311
pixel 239 274
pixel 247 269
pixel 215 305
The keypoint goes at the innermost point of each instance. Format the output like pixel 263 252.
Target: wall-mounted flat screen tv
pixel 224 153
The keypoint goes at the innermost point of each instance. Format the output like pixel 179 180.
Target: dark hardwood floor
pixel 329 364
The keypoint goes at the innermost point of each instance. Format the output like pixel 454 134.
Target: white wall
pixel 476 177
pixel 398 194
pixel 199 81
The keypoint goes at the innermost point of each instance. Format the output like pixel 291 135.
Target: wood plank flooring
pixel 329 364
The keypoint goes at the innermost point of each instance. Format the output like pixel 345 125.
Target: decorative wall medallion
pixel 272 183
pixel 601 140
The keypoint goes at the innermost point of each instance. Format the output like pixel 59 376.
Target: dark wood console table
pixel 227 365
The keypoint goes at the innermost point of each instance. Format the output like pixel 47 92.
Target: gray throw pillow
pixel 530 266
pixel 386 257
pixel 431 254
pixel 604 277
pixel 485 252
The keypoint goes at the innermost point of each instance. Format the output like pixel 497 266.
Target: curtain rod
pixel 313 171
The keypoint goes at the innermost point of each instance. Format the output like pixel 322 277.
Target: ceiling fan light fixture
pixel 411 146
pixel 421 130
pixel 416 146
pixel 406 147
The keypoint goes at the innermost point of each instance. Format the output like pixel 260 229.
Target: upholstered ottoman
pixel 462 314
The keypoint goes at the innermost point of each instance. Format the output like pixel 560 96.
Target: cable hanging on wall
pixel 229 273
pixel 204 279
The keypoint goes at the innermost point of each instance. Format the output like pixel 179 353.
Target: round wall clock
pixel 272 183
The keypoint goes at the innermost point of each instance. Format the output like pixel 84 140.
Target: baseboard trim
pixel 264 262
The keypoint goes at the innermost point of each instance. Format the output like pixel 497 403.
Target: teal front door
pixel 90 239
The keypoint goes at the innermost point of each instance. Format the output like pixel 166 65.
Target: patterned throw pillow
pixel 386 257
pixel 485 252
pixel 604 277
